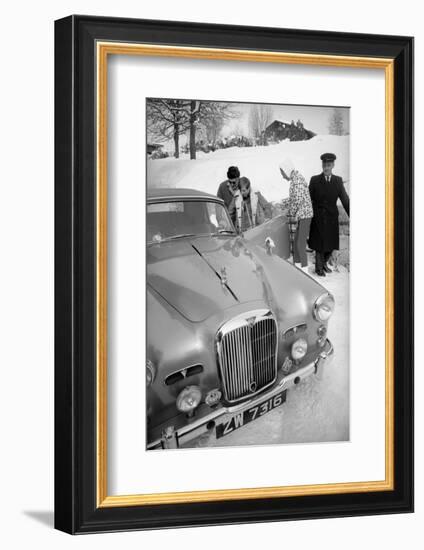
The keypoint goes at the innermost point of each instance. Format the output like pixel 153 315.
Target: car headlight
pixel 189 398
pixel 324 307
pixel 150 372
pixel 299 349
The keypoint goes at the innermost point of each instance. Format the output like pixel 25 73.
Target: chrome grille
pixel 247 354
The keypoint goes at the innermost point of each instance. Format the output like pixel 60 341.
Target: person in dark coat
pixel 325 190
pixel 228 190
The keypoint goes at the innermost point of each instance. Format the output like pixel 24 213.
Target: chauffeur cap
pixel 328 157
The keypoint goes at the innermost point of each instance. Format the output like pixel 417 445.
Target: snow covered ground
pixel 259 164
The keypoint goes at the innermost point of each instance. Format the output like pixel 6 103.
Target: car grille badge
pixel 287 365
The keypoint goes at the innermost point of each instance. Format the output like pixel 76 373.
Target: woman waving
pixel 300 208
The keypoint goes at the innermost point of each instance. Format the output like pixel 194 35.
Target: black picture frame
pixel 76 510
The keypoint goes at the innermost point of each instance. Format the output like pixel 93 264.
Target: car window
pixel 174 219
pixel 165 207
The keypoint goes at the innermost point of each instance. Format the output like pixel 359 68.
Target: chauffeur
pixel 325 189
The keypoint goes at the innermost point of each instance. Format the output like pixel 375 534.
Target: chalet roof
pixel 282 121
pixel 289 124
pixel 156 145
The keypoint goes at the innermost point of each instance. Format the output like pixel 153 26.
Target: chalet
pixel 151 147
pixel 279 130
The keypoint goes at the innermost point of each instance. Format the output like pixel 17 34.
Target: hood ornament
pixel 223 276
pixel 269 245
pixel 251 321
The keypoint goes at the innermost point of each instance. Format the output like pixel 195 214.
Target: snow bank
pixel 259 164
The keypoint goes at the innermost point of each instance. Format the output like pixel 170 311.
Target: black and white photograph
pixel 247 255
pixel 199 343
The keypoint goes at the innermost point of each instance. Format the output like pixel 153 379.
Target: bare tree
pixel 336 123
pixel 260 117
pixel 168 119
pixel 193 121
pixel 208 116
pixel 213 116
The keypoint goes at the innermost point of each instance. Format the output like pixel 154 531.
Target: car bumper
pixel 174 436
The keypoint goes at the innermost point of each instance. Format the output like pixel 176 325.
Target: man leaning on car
pixel 228 190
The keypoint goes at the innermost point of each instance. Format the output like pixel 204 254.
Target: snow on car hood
pixel 201 276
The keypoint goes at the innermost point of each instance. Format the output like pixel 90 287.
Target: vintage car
pixel 231 324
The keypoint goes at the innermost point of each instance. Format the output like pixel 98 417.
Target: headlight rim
pixel 299 358
pixel 318 303
pixel 150 367
pixel 191 387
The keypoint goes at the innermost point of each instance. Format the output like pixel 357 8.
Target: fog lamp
pixel 189 398
pixel 299 349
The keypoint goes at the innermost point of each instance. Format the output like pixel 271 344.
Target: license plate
pixel 241 419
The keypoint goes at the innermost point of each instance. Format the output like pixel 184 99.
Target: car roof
pixel 172 193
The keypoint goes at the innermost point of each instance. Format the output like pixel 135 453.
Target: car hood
pixel 201 276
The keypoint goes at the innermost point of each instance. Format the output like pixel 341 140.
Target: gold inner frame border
pixel 103 51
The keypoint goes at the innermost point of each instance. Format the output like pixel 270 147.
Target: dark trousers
pixel 321 258
pixel 300 240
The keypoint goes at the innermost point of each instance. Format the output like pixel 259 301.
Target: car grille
pixel 247 354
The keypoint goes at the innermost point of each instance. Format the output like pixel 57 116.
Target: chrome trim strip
pixel 182 198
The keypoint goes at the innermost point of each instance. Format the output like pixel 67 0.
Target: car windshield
pixel 178 219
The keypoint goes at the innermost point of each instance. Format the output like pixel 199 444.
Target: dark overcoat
pixel 227 195
pixel 324 232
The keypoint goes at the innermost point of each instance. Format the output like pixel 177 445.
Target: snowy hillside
pixel 259 164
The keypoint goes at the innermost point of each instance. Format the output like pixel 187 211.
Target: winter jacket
pixel 227 194
pixel 251 211
pixel 300 204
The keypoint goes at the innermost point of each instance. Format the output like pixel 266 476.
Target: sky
pixel 313 118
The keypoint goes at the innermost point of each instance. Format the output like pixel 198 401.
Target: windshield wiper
pixel 183 235
pixel 223 232
pixel 173 237
pixel 166 239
